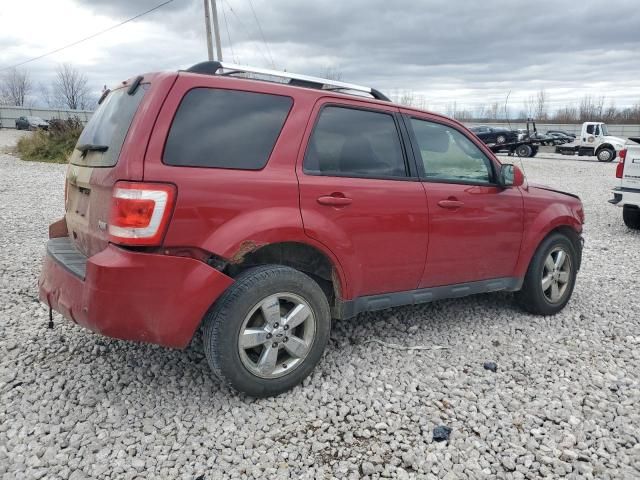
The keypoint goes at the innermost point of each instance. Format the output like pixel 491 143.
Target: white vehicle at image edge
pixel 627 194
pixel 594 140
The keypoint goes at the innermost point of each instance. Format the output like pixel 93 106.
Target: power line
pixel 246 30
pixel 87 38
pixel 224 16
pixel 262 33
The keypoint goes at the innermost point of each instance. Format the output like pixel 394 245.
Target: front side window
pixel 355 143
pixel 448 155
pixel 225 129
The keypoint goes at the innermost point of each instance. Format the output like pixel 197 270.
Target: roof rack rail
pixel 214 68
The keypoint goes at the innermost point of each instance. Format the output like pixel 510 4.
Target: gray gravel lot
pixel 563 402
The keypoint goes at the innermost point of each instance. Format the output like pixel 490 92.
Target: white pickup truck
pixel 627 194
pixel 594 140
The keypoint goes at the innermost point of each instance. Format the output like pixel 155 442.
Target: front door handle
pixel 334 200
pixel 450 204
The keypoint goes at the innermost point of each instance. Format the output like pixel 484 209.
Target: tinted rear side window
pixel 225 129
pixel 355 143
pixel 109 125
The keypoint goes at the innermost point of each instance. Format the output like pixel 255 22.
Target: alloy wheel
pixel 276 335
pixel 556 275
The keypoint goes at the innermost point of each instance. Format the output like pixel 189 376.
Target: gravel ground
pixel 563 401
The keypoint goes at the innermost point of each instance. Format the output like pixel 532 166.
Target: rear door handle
pixel 334 200
pixel 450 204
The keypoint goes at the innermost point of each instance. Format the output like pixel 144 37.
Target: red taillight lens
pixel 620 167
pixel 140 212
pixel 132 213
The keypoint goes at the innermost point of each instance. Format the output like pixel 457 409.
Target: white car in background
pixel 627 194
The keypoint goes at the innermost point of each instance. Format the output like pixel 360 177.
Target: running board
pixel 351 308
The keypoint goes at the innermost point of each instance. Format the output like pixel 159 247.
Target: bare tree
pixel 332 73
pixel 407 97
pixel 541 105
pixel 70 88
pixel 494 111
pixel 591 108
pixel 610 114
pixel 529 106
pixel 45 94
pixel 452 109
pixel 15 86
pixel 480 112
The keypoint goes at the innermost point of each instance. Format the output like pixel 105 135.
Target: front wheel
pixel 631 217
pixel 606 155
pixel 267 332
pixel 551 276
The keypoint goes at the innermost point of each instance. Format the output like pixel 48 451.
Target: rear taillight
pixel 620 167
pixel 140 212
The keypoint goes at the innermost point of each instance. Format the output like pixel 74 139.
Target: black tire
pixel 524 150
pixel 606 155
pixel 223 325
pixel 532 297
pixel 534 151
pixel 631 216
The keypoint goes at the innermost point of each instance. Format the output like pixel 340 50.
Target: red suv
pixel 261 204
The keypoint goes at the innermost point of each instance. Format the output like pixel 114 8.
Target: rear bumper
pixel 129 295
pixel 625 196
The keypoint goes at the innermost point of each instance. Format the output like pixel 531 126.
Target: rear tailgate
pixel 110 148
pixel 631 173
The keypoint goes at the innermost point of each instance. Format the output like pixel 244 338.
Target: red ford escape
pixel 262 204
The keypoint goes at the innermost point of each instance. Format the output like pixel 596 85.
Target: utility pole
pixel 207 22
pixel 216 29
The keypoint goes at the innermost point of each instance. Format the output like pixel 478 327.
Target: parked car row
pixel 31 123
pixel 492 135
pixel 497 135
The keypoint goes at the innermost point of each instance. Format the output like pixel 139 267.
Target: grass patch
pixel 52 146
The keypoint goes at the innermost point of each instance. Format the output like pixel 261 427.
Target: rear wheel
pixel 524 150
pixel 606 155
pixel 534 151
pixel 267 332
pixel 551 276
pixel 631 216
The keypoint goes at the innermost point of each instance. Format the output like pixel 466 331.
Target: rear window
pixel 225 129
pixel 108 127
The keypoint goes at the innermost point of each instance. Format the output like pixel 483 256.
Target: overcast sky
pixel 471 52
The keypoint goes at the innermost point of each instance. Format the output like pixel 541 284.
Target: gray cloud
pixel 469 52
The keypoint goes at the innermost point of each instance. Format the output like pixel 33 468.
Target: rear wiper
pixel 89 147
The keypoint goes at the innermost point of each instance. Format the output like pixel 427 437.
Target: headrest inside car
pixel 434 139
